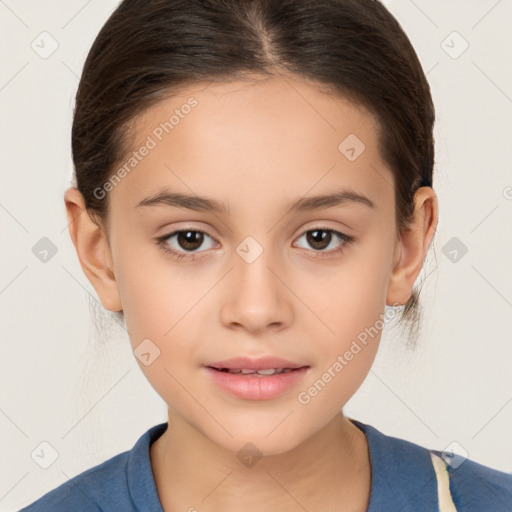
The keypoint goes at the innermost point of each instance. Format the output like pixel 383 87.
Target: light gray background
pixel 80 389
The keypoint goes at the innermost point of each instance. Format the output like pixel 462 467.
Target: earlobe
pixel 93 250
pixel 412 246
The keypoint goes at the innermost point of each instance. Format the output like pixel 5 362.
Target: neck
pixel 328 471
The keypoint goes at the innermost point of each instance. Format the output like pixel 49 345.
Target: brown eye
pixel 190 240
pixel 186 244
pixel 319 238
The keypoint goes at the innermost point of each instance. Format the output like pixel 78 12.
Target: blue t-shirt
pixel 403 478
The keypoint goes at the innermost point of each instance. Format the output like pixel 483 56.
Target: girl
pixel 253 188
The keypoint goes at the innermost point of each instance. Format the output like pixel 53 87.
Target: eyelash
pixel 346 239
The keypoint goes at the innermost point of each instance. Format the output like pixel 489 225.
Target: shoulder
pixel 123 482
pixel 91 490
pixel 403 475
pixel 474 486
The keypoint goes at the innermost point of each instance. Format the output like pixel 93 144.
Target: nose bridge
pixel 254 258
pixel 256 297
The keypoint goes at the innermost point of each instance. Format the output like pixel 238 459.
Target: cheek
pixel 350 297
pixel 344 353
pixel 351 304
pixel 155 294
pixel 163 307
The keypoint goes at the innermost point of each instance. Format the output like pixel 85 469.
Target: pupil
pixel 190 240
pixel 317 238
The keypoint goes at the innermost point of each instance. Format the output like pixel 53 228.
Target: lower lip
pixel 253 387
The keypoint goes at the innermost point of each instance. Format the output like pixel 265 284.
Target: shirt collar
pixel 141 481
pixel 402 473
pixel 403 477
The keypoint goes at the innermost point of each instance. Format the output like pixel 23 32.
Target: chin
pixel 261 446
pixel 263 437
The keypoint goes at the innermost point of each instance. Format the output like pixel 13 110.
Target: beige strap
pixel 443 484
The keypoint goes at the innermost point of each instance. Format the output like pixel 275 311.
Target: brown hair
pixel 149 48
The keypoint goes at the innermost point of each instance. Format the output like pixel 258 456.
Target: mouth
pixel 262 372
pixel 256 379
pixel 246 365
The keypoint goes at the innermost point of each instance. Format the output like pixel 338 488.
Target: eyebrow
pixel 205 204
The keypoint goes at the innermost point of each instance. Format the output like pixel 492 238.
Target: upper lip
pixel 255 363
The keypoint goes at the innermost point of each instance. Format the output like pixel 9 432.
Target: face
pixel 259 277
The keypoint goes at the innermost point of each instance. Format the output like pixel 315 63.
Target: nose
pixel 255 297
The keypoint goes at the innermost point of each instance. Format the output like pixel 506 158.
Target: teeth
pixel 267 371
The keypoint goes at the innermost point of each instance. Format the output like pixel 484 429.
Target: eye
pixel 185 243
pixel 320 239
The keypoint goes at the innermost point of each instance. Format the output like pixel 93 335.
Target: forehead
pixel 265 134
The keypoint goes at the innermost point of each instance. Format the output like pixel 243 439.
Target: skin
pixel 256 145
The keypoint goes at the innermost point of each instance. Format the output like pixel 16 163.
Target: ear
pixel 92 247
pixel 412 246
